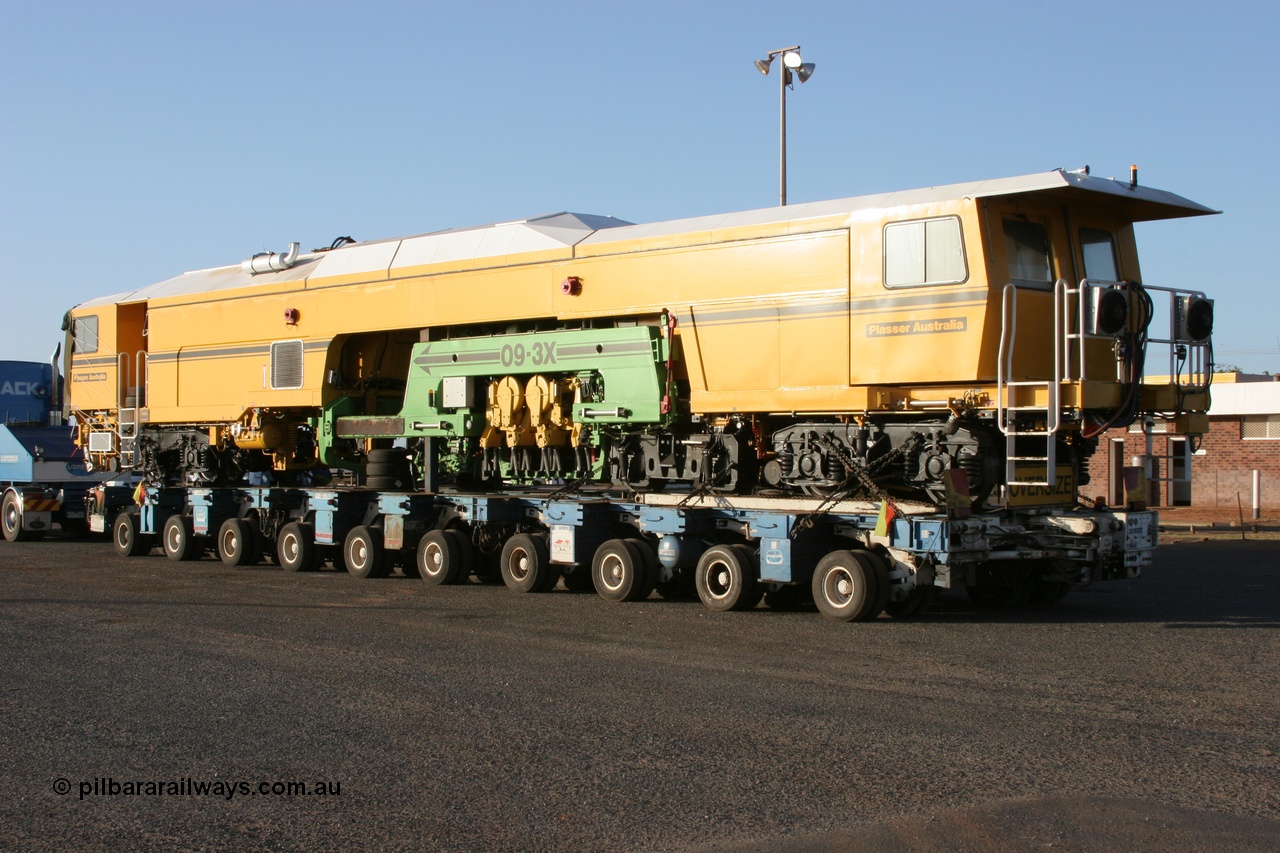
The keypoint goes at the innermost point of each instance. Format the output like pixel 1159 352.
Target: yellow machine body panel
pixel 899 302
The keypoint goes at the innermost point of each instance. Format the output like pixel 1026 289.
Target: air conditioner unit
pixel 1192 319
pixel 1106 310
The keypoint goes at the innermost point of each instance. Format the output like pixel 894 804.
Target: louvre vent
pixel 286 365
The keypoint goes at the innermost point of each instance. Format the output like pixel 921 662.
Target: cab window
pixel 1027 247
pixel 926 251
pixel 1099 250
pixel 86 334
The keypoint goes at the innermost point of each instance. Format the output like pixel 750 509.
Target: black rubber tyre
pixel 443 557
pixel 726 578
pixel 915 603
pixel 844 588
pixel 401 483
pixel 465 548
pixel 619 571
pixel 178 538
pixel 11 518
pixel 384 455
pixel 364 554
pixel 992 597
pixel 257 543
pixel 388 468
pixel 125 538
pixel 296 548
pixel 1003 585
pixel 653 569
pixel 237 542
pixel 879 570
pixel 1048 593
pixel 526 564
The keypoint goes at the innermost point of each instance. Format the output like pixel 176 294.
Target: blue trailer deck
pixel 855 557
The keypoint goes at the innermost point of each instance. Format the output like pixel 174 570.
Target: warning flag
pixel 884 520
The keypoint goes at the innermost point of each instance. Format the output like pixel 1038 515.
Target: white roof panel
pixel 568 230
pixel 355 258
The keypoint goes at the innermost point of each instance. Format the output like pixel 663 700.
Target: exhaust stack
pixel 272 261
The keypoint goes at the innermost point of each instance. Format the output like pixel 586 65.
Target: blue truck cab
pixel 43 476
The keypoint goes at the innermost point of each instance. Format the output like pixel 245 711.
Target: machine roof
pixel 556 231
pixel 564 231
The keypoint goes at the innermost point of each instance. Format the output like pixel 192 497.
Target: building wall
pixel 1228 464
pixel 1223 471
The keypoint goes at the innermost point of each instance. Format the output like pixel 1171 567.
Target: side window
pixel 1099 250
pixel 86 334
pixel 1027 247
pixel 927 251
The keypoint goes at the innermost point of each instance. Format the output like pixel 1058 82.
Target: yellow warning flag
pixel 884 520
pixel 140 493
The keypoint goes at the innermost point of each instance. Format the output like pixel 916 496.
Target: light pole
pixel 791 62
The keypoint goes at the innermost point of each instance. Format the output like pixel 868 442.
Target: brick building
pixel 1243 437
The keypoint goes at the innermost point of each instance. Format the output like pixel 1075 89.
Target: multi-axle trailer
pixel 857 558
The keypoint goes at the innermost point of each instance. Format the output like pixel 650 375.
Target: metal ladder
pixel 1020 420
pixel 127 419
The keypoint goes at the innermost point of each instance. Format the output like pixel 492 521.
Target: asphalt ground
pixel 1137 715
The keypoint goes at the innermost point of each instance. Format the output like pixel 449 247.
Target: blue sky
pixel 139 140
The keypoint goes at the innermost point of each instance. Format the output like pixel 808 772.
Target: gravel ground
pixel 1138 715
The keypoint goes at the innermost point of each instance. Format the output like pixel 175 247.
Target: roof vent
pixel 272 261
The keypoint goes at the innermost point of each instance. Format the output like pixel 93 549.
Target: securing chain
pixel 859 475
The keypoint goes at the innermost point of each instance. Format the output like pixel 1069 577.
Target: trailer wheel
pixel 844 587
pixel 11 518
pixel 620 572
pixel 653 569
pixel 1048 593
pixel 916 602
pixel 526 564
pixel 296 548
pixel 125 538
pixel 364 554
pixel 1003 585
pixel 257 543
pixel 179 538
pixel 726 578
pixel 444 557
pixel 879 570
pixel 236 543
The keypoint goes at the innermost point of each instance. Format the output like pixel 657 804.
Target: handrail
pixel 1005 383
